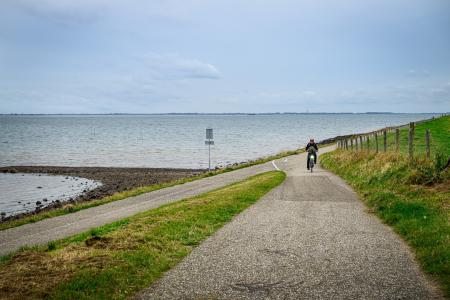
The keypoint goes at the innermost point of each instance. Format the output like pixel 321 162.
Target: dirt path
pixel 310 238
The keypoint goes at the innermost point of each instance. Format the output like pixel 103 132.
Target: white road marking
pixel 276 167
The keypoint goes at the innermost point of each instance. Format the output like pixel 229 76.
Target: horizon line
pixel 215 113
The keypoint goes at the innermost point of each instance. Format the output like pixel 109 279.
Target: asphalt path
pixel 59 227
pixel 309 238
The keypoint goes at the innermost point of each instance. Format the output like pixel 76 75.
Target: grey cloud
pixel 88 11
pixel 411 95
pixel 173 67
pixel 418 73
pixel 310 93
pixel 64 11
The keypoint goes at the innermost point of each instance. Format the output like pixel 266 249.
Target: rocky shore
pixel 113 179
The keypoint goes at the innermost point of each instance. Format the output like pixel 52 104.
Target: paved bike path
pixel 59 227
pixel 310 238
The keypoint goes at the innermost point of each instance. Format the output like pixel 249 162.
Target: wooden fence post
pixel 427 142
pixel 368 143
pixel 346 144
pixel 384 140
pixel 376 142
pixel 356 143
pixel 397 139
pixel 411 140
pixel 351 143
pixel 361 142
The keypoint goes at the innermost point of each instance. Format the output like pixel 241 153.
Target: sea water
pixel 22 193
pixel 173 141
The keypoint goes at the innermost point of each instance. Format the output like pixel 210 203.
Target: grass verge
pixel 413 198
pixel 439 143
pixel 74 207
pixel 116 260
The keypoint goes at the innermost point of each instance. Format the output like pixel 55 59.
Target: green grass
pixel 439 143
pixel 440 136
pixel 74 207
pixel 413 198
pixel 117 260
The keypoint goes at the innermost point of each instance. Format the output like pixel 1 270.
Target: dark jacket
pixel 314 145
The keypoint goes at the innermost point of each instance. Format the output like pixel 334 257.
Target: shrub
pixel 428 172
pixel 440 161
pixel 51 246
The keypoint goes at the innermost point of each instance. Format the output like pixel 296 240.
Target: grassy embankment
pixel 74 207
pixel 440 143
pixel 412 197
pixel 116 260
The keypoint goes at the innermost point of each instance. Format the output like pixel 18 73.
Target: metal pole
pixel 209 141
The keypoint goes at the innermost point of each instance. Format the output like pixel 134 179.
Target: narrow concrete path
pixel 51 229
pixel 310 238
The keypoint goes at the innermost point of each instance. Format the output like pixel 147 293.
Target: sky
pixel 224 56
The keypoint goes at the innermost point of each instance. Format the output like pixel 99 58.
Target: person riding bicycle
pixel 311 148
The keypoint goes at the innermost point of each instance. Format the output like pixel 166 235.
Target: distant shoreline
pixel 226 114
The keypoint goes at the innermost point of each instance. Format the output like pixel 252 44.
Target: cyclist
pixel 311 148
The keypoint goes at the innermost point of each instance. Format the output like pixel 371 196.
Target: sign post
pixel 209 141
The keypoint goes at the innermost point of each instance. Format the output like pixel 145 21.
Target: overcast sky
pixel 140 56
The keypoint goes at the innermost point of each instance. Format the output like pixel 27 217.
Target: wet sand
pixel 113 179
pixel 28 192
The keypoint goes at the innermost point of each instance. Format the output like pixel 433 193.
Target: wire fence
pixel 387 139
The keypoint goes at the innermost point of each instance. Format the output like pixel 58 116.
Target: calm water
pixel 25 192
pixel 152 141
pixel 170 140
